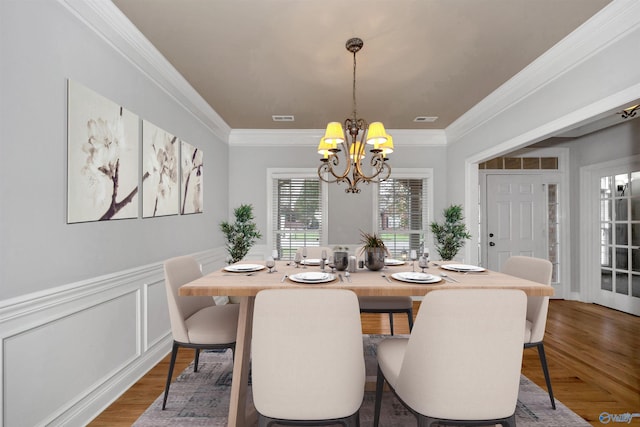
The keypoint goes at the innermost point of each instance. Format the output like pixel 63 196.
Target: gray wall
pixel 41 46
pixel 617 142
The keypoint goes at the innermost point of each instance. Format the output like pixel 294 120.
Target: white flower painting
pixel 102 155
pixel 192 169
pixel 160 187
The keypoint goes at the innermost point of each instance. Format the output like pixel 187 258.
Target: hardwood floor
pixel 593 355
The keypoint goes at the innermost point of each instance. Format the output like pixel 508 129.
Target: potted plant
pixel 374 251
pixel 242 234
pixel 450 236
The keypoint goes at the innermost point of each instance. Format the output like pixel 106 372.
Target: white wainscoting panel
pixel 69 352
pixel 157 316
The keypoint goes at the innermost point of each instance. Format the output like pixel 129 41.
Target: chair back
pixel 464 355
pixel 537 270
pixel 315 252
pixel 177 272
pixel 307 354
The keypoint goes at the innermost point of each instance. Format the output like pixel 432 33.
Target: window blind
pixel 297 215
pixel 402 214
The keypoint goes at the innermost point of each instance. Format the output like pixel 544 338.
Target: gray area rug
pixel 202 399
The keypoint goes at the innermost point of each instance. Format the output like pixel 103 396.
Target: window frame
pixel 296 173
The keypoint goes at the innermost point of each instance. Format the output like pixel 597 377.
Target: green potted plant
pixel 450 236
pixel 374 251
pixel 242 234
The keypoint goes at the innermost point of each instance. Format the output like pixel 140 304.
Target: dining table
pixel 393 280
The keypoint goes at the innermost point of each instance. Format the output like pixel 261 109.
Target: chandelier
pixel 350 169
pixel 629 112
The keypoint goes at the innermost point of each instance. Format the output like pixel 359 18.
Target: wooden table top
pixel 363 282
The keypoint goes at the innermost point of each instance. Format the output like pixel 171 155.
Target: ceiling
pixel 252 59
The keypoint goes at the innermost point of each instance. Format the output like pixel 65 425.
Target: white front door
pixel 516 222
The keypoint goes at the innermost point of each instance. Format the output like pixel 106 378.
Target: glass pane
pixel 635 260
pixel 622 235
pixel 605 234
pixel 635 285
pixel 635 209
pixel 605 186
pixel 622 262
pixel 605 280
pixel 605 210
pixel 622 283
pixel 605 256
pixel 635 234
pixel 621 210
pixel 621 185
pixel 553 193
pixel 635 183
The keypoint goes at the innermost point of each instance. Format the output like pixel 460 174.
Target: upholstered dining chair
pixel 196 322
pixel 461 364
pixel 307 357
pixel 385 304
pixel 537 270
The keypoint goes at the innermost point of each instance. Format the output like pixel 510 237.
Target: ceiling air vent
pixel 283 118
pixel 421 119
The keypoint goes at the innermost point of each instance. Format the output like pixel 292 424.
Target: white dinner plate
pixel 312 277
pixel 311 261
pixel 462 267
pixel 243 268
pixel 393 262
pixel 416 277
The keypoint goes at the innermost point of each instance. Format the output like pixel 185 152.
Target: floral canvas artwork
pixel 160 186
pixel 192 169
pixel 102 158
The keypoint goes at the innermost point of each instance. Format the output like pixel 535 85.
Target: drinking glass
pixel 331 263
pixel 423 262
pixel 304 256
pixel 297 259
pixel 270 264
pixel 414 257
pixel 324 258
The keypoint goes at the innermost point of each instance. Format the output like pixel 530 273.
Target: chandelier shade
pixel 376 134
pixel 387 146
pixel 344 148
pixel 334 133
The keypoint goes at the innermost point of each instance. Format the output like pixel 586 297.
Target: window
pixel 402 212
pixel 298 212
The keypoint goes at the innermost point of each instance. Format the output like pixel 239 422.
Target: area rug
pixel 202 398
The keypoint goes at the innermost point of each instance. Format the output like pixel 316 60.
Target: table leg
pixel 238 408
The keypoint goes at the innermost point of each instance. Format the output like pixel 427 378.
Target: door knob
pixel 491 244
pixel 490 234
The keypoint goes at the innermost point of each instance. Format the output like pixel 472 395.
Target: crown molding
pixel 106 20
pixel 601 30
pixel 311 137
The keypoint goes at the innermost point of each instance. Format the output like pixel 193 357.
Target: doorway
pixel 611 194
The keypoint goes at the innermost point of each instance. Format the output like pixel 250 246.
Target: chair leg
pixel 174 353
pixel 379 390
pixel 509 422
pixel 545 369
pixel 410 316
pixel 196 360
pixel 391 322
